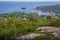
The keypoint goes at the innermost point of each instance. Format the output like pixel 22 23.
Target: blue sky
pixel 29 0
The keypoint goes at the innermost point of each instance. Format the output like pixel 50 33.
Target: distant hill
pixel 20 15
pixel 53 8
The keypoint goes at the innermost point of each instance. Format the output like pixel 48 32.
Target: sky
pixel 29 0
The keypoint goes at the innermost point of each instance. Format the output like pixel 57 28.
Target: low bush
pixel 56 22
pixel 11 28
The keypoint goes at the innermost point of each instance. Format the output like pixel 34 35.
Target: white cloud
pixel 29 0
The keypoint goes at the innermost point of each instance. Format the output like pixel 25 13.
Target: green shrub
pixel 56 22
pixel 14 27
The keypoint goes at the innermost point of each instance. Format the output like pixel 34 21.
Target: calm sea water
pixel 8 7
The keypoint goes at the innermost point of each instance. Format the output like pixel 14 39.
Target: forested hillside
pixel 54 8
pixel 19 15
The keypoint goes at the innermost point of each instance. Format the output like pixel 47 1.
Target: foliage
pixel 14 26
pixel 56 22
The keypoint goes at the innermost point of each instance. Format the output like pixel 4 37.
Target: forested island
pixel 29 26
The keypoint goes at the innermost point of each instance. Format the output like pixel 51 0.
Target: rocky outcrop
pixel 44 33
pixel 28 36
pixel 55 31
